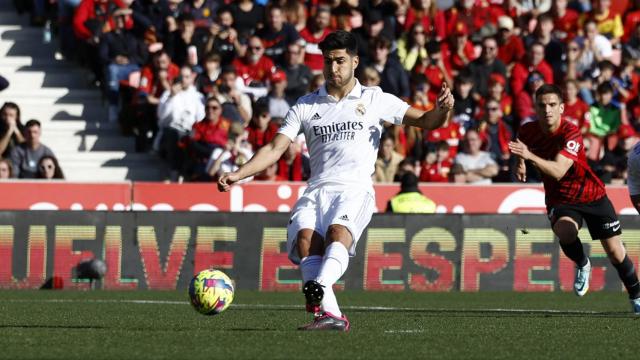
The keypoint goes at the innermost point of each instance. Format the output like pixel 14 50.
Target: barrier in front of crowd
pixel 265 197
pixel 424 253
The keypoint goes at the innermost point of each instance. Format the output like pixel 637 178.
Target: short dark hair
pixel 32 122
pixel 338 40
pixel 604 88
pixel 549 89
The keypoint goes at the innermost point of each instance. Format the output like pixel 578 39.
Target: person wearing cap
pixel 410 199
pixel 275 100
pixel 121 53
pixel 457 50
pixel 511 47
pixel 534 61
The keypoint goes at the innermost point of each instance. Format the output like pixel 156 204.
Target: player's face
pixel 339 67
pixel 549 109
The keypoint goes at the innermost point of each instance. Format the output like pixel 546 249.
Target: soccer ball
pixel 211 292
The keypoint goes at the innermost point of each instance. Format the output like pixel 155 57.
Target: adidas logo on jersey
pixel 316 117
pixel 344 217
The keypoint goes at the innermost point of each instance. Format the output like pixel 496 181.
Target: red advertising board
pixel 265 197
pixel 40 195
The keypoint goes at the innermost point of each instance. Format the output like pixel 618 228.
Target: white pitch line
pixel 297 307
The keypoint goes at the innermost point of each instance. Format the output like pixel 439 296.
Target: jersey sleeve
pixel 292 124
pixel 391 108
pixel 571 143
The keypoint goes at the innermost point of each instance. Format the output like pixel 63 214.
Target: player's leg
pixel 626 270
pixel 310 248
pixel 566 229
pixel 335 263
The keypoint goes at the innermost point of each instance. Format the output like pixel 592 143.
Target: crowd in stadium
pixel 205 83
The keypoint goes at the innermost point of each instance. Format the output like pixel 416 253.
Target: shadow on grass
pixel 50 327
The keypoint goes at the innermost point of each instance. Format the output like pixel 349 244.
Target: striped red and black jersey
pixel 580 184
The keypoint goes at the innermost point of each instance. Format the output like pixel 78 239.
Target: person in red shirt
pixel 317 29
pixel 510 46
pixel 497 92
pixel 261 129
pixel 575 110
pixel 457 51
pixel 427 13
pixel 573 192
pixel 290 165
pixel 565 21
pixel 254 68
pixel 206 135
pixel 435 69
pixel 436 168
pixel 534 61
pixel 631 18
pixel 479 16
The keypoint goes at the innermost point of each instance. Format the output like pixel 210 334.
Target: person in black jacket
pixel 393 78
pixel 121 54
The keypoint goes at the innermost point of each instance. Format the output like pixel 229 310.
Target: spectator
pixel 184 45
pixel 426 12
pixel 534 61
pixel 565 21
pixel 434 68
pixel 436 167
pixel 457 50
pixel 407 165
pixel 609 24
pixel 277 35
pixel 410 199
pixel 480 18
pixel 6 169
pixel 464 108
pixel 207 79
pixel 604 119
pixel 49 168
pixel 451 132
pixel 11 128
pixel 393 78
pixel 121 54
pixel 479 168
pixel 154 80
pixel 497 92
pixel 236 106
pixel 206 136
pixel 412 46
pixel 369 76
pixel 553 48
pixel 495 135
pixel 487 64
pixel 202 12
pixel 419 99
pixel 631 19
pixel 261 130
pixel 68 43
pixel 291 164
pixel 315 31
pixel 372 28
pixel 511 47
pixel 527 10
pixel 525 102
pixel 180 107
pixel 26 156
pixel 223 38
pixel 275 100
pixel 575 110
pixel 388 160
pixel 316 82
pixel 298 74
pixel 150 19
pixel 254 68
pixel 91 20
pixel 236 152
pixel 595 48
pixel 248 15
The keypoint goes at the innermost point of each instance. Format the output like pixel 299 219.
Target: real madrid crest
pixel 360 109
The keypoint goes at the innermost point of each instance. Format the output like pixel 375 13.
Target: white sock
pixel 334 265
pixel 310 267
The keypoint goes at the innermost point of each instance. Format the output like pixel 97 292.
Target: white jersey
pixel 633 170
pixel 343 136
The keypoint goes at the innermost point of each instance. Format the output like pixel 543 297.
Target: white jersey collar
pixel 356 92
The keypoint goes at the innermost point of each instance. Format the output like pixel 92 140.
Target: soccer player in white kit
pixel 342 123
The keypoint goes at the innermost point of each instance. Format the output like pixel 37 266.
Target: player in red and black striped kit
pixel 573 192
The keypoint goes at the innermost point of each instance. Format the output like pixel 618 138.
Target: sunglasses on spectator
pixel 493 109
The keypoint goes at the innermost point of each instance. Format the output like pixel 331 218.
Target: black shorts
pixel 600 216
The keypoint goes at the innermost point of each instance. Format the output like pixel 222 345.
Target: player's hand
pixel 226 180
pixel 445 99
pixel 520 149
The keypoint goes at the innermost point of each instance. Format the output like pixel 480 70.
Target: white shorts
pixel 633 171
pixel 321 207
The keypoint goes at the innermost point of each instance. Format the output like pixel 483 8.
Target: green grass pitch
pixel 161 325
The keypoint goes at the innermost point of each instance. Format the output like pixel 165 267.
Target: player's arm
pixel 435 117
pixel 265 157
pixel 555 168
